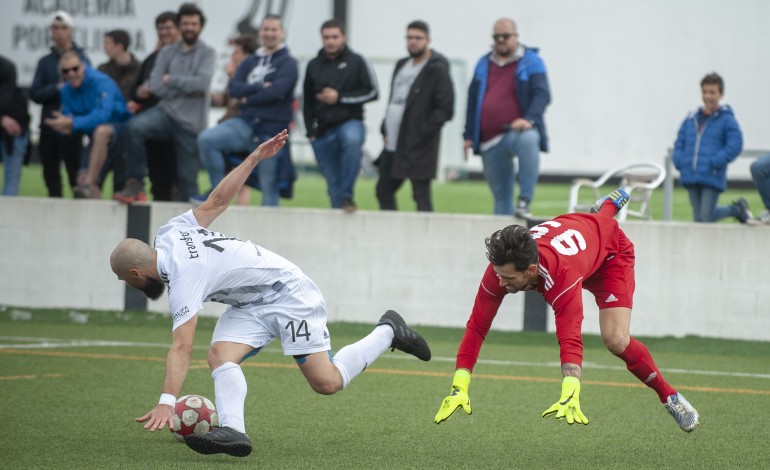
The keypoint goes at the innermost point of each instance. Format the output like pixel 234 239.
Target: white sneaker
pixel 761 219
pixel 683 412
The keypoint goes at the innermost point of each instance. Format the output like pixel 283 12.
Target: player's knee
pixel 214 357
pixel 616 342
pixel 326 386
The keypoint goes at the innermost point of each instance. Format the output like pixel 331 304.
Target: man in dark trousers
pixel 337 84
pixel 161 159
pixel 55 147
pixel 421 101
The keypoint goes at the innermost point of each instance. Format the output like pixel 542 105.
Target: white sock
pixel 354 358
pixel 230 395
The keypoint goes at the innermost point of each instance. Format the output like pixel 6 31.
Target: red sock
pixel 639 362
pixel 608 209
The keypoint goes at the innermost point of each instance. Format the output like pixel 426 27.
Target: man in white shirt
pixel 268 297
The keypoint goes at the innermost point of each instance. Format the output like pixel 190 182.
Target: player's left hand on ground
pixel 457 398
pixel 568 405
pixel 159 417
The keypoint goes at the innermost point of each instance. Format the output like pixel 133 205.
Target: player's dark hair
pixel 190 9
pixel 247 42
pixel 421 25
pixel 512 245
pixel 334 23
pixel 165 17
pixel 119 36
pixel 714 79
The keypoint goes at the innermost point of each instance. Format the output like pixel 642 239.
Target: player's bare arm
pixel 571 370
pixel 177 364
pixel 220 197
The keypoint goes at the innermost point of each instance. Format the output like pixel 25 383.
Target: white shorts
pixel 298 319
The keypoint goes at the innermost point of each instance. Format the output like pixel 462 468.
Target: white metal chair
pixel 638 179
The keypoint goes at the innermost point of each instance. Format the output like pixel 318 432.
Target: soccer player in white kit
pixel 268 297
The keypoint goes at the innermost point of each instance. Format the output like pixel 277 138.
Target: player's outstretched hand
pixel 457 398
pixel 159 417
pixel 568 405
pixel 270 147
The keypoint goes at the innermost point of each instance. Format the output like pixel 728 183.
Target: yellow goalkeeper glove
pixel 569 404
pixel 456 399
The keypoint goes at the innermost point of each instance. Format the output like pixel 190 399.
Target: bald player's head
pixel 133 261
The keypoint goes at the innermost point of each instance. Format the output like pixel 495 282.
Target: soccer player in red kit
pixel 558 258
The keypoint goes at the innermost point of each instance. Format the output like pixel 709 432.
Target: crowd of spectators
pixel 150 118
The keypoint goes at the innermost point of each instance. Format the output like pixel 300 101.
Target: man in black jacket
pixel 421 101
pixel 337 84
pixel 53 146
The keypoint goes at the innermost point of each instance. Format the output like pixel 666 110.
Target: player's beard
pixel 153 289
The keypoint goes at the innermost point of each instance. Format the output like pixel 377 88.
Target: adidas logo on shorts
pixel 611 298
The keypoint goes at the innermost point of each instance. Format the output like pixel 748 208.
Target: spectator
pixel 92 105
pixel 122 67
pixel 243 46
pixel 708 140
pixel 53 146
pixel 180 78
pixel 337 84
pixel 161 156
pixel 14 127
pixel 760 173
pixel 421 101
pixel 507 98
pixel 264 85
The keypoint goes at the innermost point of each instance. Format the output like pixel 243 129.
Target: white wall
pixel 708 280
pixel 623 74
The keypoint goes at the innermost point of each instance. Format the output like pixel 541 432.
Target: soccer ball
pixel 193 414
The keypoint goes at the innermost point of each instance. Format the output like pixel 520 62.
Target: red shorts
pixel 613 284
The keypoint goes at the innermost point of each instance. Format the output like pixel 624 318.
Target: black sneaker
pixel 222 440
pixel 406 339
pixel 744 214
pixel 348 205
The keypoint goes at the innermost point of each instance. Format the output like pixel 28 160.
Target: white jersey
pixel 199 265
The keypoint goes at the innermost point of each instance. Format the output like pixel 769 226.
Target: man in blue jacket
pixel 93 105
pixel 264 83
pixel 707 141
pixel 53 146
pixel 507 98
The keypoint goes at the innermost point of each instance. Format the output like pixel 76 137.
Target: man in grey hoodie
pixel 180 78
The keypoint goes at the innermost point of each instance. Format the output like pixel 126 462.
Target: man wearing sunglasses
pixel 507 98
pixel 93 105
pixel 53 146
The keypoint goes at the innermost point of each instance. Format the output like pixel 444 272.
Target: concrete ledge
pixel 708 280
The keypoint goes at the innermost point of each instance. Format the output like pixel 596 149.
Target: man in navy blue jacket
pixel 55 147
pixel 506 103
pixel 264 83
pixel 93 105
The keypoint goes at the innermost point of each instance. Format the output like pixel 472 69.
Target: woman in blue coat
pixel 708 140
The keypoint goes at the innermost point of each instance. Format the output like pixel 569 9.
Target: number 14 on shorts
pixel 298 330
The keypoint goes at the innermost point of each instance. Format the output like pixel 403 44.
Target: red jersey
pixel 576 251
